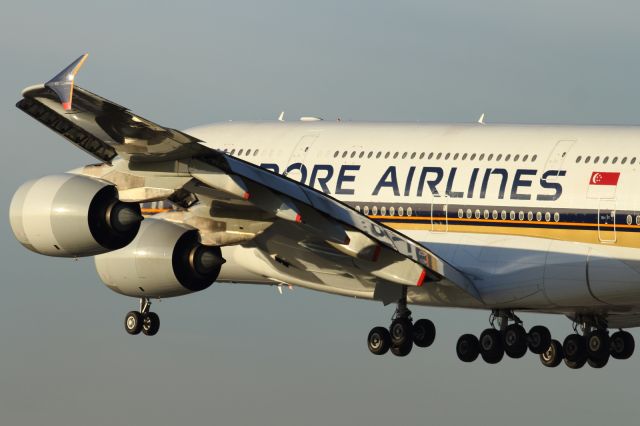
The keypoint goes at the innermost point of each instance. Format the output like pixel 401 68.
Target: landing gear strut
pixel 144 320
pixel 402 334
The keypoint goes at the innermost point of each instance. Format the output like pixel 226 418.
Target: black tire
pixel 575 348
pixel 598 362
pixel 622 345
pixel 598 346
pixel 575 365
pixel 151 324
pixel 538 339
pixel 491 348
pixel 424 333
pixel 468 348
pixel 553 356
pixel 514 340
pixel 379 341
pixel 133 322
pixel 401 331
pixel 402 350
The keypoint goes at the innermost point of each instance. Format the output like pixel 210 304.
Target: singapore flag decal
pixel 604 178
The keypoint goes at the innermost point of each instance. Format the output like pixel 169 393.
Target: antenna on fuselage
pixel 481 119
pixel 281 116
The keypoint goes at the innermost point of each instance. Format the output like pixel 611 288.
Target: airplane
pixel 501 218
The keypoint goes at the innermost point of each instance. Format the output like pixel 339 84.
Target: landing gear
pixel 622 345
pixel 553 356
pixel 379 341
pixel 515 341
pixel 142 321
pixel 468 348
pixel 504 338
pixel 491 347
pixel 402 334
pixel 133 322
pixel 538 339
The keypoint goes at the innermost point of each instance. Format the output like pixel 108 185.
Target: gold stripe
pixel 623 239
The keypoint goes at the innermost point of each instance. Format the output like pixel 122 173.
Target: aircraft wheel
pixel 151 324
pixel 622 345
pixel 598 345
pixel 553 356
pixel 575 348
pixel 574 365
pixel 598 362
pixel 133 322
pixel 538 339
pixel 401 331
pixel 424 333
pixel 468 348
pixel 402 350
pixel 379 341
pixel 491 348
pixel 514 340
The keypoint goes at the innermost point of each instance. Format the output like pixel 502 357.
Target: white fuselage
pixel 540 217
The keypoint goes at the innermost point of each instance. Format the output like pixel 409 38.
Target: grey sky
pixel 243 354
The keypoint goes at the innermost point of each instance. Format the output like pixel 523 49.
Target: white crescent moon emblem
pixel 596 178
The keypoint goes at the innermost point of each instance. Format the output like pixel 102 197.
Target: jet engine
pixel 165 259
pixel 69 215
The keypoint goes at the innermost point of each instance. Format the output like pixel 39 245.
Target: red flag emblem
pixel 604 178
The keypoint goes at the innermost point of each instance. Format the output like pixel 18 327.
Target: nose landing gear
pixel 143 321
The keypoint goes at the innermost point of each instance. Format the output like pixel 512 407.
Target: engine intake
pixel 69 215
pixel 164 260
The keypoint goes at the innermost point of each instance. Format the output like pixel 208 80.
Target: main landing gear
pixel 402 334
pixel 144 320
pixel 505 339
pixel 592 345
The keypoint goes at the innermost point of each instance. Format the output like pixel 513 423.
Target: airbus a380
pixel 502 218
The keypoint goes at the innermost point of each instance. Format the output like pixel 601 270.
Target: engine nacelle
pixel 164 260
pixel 69 215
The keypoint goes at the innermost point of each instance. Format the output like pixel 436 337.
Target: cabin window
pixel 409 211
pixel 400 211
pixel 578 159
pixel 556 217
pixel 494 214
pixel 383 211
pixel 499 157
pixel 460 213
pixel 547 216
pixel 503 215
pixel 366 210
pixel 392 211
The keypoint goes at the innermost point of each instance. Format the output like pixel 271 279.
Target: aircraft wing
pixel 105 130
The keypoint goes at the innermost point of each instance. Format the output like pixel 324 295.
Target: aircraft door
pixel 607 220
pixel 296 168
pixel 440 213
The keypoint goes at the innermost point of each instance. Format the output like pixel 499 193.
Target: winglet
pixel 62 84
